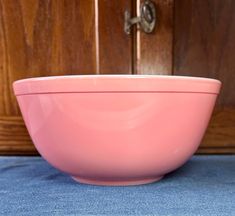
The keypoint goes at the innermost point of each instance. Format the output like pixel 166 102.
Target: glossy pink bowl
pixel 116 129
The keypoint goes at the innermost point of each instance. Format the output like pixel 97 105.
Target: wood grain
pixel 14 138
pixel 55 37
pixel 115 47
pixel 221 131
pixel 214 150
pixel 204 46
pixel 204 42
pixel 154 51
pixel 43 38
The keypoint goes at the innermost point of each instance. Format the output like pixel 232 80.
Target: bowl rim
pixel 116 83
pixel 121 76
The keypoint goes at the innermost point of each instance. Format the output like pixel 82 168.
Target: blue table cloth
pixel 203 186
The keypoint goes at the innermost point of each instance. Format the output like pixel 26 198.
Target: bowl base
pixel 116 182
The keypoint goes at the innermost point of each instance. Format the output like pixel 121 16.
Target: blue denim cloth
pixel 204 186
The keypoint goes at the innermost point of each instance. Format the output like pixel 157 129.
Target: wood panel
pixel 204 46
pixel 55 37
pixel 14 138
pixel 204 42
pixel 42 38
pixel 115 47
pixel 220 135
pixel 154 51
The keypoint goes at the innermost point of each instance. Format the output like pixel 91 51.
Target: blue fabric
pixel 204 186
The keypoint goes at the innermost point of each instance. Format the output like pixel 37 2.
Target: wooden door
pixel 196 38
pixel 58 37
pixel 204 45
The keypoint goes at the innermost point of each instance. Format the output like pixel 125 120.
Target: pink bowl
pixel 116 129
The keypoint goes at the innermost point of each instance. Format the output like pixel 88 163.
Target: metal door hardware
pixel 146 21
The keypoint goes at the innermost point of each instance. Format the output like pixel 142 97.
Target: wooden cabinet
pixel 204 45
pixel 58 37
